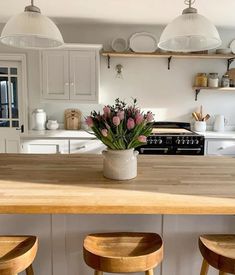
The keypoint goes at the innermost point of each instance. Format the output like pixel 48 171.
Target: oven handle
pixel 154 149
pixel 188 149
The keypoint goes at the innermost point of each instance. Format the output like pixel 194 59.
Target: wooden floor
pixel 75 184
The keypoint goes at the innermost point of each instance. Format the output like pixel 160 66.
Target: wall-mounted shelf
pixel 198 89
pixel 228 57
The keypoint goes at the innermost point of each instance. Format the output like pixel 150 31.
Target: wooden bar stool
pixel 17 254
pixel 123 252
pixel 219 252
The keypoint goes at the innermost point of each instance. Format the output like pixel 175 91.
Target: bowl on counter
pixel 52 125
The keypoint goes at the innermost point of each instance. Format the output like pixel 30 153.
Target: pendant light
pixel 190 32
pixel 31 30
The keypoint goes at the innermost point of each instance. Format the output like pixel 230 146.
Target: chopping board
pixel 72 119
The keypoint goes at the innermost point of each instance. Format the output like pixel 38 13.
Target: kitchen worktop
pixel 58 134
pixel 218 135
pixel 75 184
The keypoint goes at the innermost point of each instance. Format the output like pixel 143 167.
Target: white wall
pixel 167 93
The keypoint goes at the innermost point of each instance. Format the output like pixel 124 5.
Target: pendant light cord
pixel 189 3
pixel 32 2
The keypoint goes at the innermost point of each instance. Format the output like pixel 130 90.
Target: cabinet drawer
pixel 49 146
pixel 86 146
pixel 221 147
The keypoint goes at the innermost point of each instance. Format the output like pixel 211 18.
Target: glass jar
pixel 201 80
pixel 213 80
pixel 225 81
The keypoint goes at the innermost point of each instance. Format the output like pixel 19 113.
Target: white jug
pixel 219 123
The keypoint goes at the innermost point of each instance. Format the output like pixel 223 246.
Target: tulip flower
pixel 130 123
pixel 104 132
pixel 149 116
pixel 116 120
pixel 106 111
pixel 139 118
pixel 121 114
pixel 89 121
pixel 142 138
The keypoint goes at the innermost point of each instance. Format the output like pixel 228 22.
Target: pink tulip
pixel 142 138
pixel 107 111
pixel 116 120
pixel 89 121
pixel 139 118
pixel 121 114
pixel 104 132
pixel 149 116
pixel 130 123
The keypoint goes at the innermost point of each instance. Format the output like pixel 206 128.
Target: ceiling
pixel 220 12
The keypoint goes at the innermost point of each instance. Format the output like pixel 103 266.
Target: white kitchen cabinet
pixel 45 146
pixel 71 74
pixel 55 74
pixel 220 147
pixel 86 146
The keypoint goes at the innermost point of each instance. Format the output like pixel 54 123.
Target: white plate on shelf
pixel 232 46
pixel 119 45
pixel 143 42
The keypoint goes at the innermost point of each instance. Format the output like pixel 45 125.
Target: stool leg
pixel 204 268
pixel 222 273
pixel 29 270
pixel 98 272
pixel 149 272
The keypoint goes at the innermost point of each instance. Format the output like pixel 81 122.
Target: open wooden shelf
pixel 167 55
pixel 198 89
pixel 228 57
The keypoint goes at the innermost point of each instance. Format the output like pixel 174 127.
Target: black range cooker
pixel 173 138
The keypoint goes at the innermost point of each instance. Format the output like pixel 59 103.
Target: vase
pixel 120 164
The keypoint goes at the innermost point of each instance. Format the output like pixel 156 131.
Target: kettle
pixel 219 123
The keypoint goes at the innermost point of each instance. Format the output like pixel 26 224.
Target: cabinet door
pixel 83 76
pixel 40 146
pixel 55 74
pixel 86 146
pixel 221 147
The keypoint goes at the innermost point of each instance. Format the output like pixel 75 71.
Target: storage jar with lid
pixel 39 117
pixel 225 82
pixel 201 80
pixel 213 80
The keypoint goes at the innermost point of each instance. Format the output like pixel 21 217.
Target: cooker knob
pixel 177 141
pixel 192 141
pixel 183 141
pixel 197 141
pixel 160 141
pixel 187 141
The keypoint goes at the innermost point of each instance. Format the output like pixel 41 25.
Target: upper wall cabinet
pixel 71 74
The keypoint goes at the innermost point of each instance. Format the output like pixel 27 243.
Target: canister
pixel 213 80
pixel 201 80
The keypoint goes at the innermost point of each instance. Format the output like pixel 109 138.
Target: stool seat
pixel 219 251
pixel 123 252
pixel 17 254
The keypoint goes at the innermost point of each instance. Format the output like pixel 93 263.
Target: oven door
pixel 189 151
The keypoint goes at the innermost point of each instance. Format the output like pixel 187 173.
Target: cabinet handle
pixel 221 148
pixel 66 84
pixel 72 84
pixel 81 147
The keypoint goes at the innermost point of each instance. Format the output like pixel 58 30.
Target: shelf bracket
pixel 229 62
pixel 108 61
pixel 197 91
pixel 169 62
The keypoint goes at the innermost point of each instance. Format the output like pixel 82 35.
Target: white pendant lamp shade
pixel 189 32
pixel 31 30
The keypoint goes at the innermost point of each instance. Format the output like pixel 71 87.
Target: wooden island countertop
pixel 74 184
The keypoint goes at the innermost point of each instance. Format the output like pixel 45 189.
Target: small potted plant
pixel 121 128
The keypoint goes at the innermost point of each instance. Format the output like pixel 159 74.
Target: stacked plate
pixel 141 42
